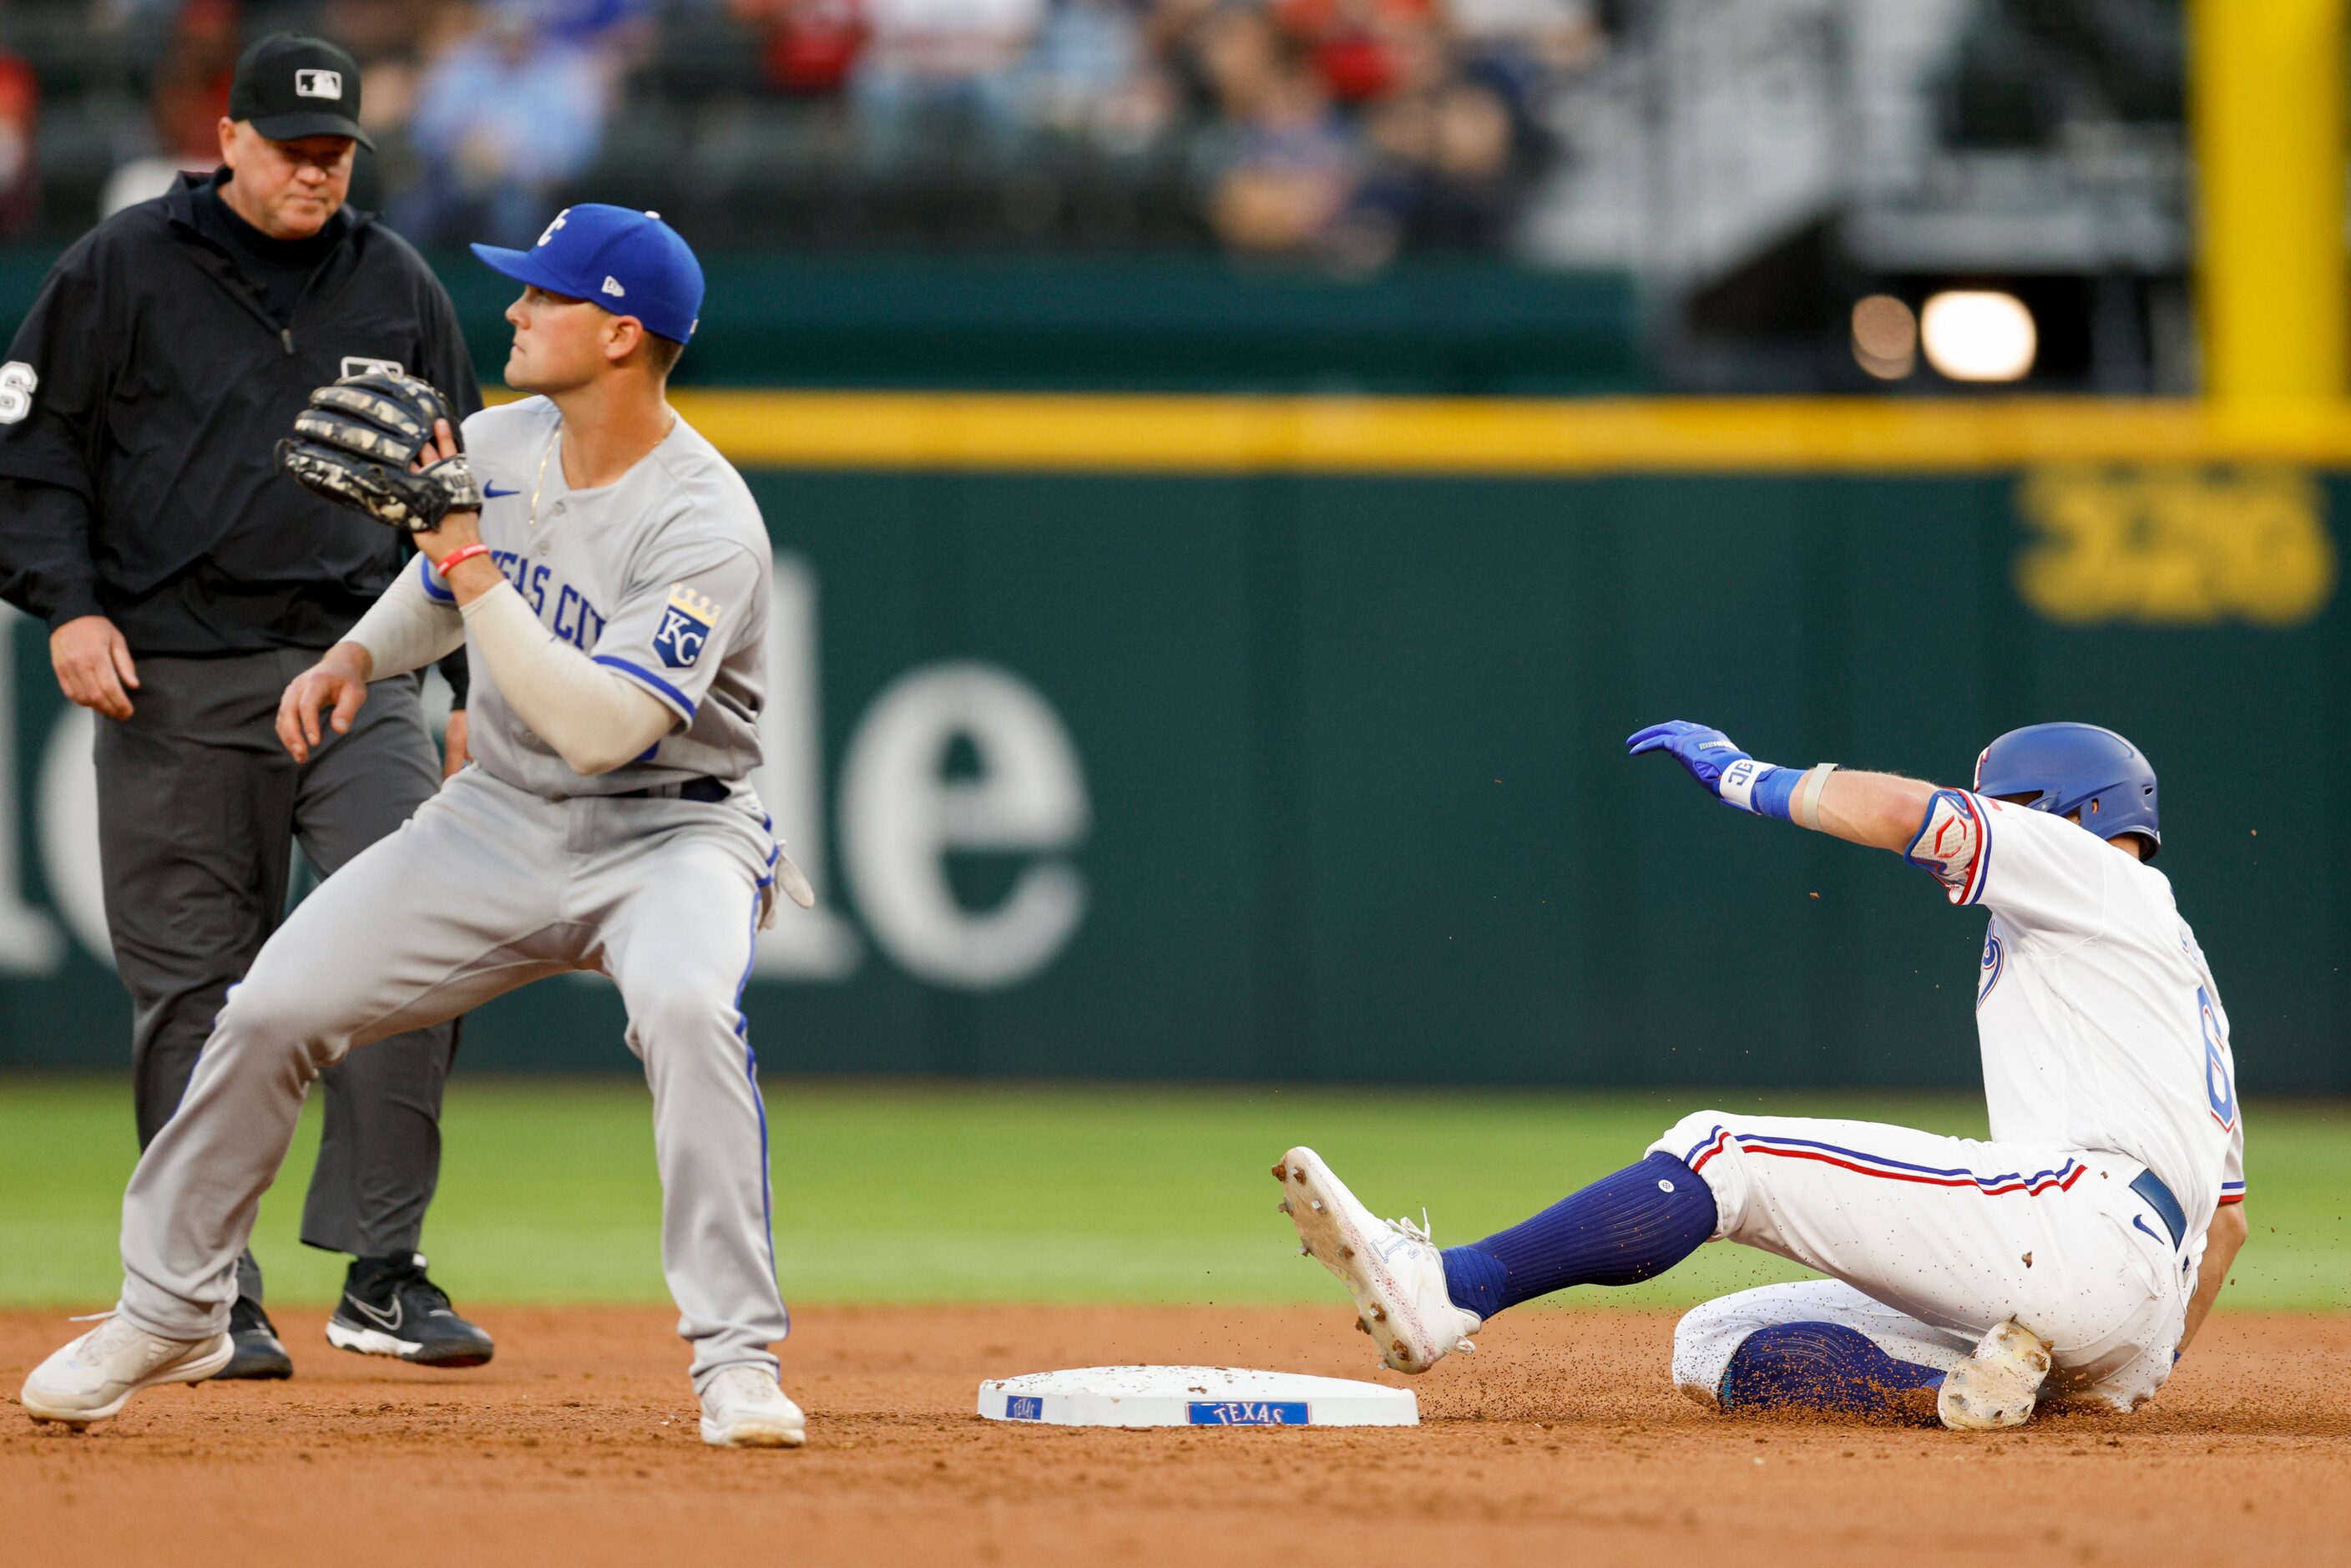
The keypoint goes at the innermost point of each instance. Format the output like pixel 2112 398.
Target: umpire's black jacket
pixel 139 408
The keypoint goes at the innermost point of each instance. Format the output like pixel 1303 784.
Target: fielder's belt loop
pixel 1807 803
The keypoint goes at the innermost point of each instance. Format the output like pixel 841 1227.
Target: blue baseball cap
pixel 628 262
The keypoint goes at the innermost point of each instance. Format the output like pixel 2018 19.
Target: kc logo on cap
pixel 319 84
pixel 627 262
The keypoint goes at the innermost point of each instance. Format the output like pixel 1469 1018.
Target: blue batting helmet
pixel 2070 767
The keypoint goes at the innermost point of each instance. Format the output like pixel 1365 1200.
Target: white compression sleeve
pixel 403 630
pixel 595 720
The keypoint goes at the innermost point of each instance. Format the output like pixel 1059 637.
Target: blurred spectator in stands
pixel 1338 132
pixel 392 40
pixel 621 30
pixel 507 115
pixel 185 104
pixel 20 107
pixel 1444 175
pixel 1522 47
pixel 1284 169
pixel 1241 61
pixel 808 46
pixel 1360 48
pixel 1089 76
pixel 1175 44
pixel 939 77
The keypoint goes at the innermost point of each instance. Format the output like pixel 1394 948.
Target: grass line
pixel 1018 1193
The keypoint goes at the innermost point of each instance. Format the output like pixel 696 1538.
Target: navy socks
pixel 1622 1230
pixel 1826 1367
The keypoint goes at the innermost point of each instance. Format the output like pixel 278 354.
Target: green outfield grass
pixel 1016 1193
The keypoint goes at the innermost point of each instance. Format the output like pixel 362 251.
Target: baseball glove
pixel 356 445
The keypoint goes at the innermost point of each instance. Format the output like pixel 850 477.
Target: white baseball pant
pixel 1934 1241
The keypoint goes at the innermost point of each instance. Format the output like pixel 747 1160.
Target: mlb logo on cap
pixel 628 262
pixel 288 87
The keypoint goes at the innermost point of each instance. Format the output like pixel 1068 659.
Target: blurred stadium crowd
pixel 1341 131
pixel 1756 165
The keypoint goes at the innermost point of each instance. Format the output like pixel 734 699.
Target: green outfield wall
pixel 1268 755
pixel 1165 323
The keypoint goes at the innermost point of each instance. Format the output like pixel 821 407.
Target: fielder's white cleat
pixel 744 1408
pixel 1996 1386
pixel 1391 1269
pixel 92 1377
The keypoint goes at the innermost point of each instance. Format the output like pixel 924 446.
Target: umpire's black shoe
pixel 390 1308
pixel 259 1352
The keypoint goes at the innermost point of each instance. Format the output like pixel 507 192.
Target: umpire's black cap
pixel 290 87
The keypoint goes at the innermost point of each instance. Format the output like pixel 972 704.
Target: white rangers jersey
pixel 2100 1024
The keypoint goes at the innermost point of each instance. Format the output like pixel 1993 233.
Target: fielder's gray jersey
pixel 660 577
pixel 521 868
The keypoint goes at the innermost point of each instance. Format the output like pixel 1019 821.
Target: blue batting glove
pixel 1722 771
pixel 1704 752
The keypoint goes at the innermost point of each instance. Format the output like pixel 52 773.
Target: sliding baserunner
pixel 2070 1259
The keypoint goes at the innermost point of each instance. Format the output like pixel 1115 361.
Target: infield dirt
pixel 1559 1441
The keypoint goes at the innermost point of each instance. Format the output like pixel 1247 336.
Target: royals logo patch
pixel 685 626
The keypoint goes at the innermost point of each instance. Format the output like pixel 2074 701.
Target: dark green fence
pixel 1160 324
pixel 1299 777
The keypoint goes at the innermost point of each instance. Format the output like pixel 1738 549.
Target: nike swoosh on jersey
pixel 491 492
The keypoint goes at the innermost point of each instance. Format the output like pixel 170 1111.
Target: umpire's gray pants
pixel 487 888
pixel 199 808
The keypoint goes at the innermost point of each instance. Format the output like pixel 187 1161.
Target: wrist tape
pixel 1757 787
pixel 1807 802
pixel 1769 791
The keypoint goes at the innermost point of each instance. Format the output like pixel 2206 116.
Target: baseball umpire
pixel 184 582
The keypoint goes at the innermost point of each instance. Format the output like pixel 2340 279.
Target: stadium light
pixel 1885 337
pixel 1979 335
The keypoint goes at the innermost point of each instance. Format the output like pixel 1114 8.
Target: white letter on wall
pixel 30 943
pixel 804 943
pixel 69 831
pixel 901 817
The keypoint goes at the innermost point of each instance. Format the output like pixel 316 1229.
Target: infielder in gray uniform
pixel 608 574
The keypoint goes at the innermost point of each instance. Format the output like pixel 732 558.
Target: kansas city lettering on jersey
pixel 572 618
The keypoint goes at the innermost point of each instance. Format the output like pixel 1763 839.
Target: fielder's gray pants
pixel 199 808
pixel 487 888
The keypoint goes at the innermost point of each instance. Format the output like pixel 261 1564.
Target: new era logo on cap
pixel 612 286
pixel 319 84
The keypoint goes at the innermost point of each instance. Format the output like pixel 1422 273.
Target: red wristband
pixel 458 556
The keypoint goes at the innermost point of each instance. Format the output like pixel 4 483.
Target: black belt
pixel 709 792
pixel 2149 1186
